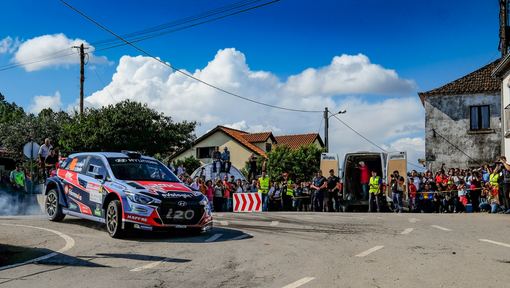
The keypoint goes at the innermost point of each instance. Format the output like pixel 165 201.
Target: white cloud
pixel 349 74
pixel 51 49
pixel 253 128
pixel 7 45
pixel 384 122
pixel 43 102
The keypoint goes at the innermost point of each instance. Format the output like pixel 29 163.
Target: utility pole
pixel 326 126
pixel 504 30
pixel 82 74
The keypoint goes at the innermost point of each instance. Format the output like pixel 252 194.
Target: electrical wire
pixel 92 66
pixel 454 146
pixel 368 139
pixel 115 42
pixel 188 75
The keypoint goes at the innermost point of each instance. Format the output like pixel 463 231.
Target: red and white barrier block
pixel 247 202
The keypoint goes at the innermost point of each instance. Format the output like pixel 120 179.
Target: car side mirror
pixel 98 177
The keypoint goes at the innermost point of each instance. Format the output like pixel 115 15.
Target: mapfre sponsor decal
pixel 136 218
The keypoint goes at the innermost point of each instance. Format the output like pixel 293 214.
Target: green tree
pixel 302 163
pixel 47 124
pixel 9 111
pixel 126 126
pixel 190 163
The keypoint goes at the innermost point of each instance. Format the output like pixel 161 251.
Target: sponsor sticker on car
pixel 97 212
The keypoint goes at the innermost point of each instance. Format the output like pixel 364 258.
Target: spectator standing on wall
pixel 252 161
pixel 43 152
pixel 225 161
pixel 216 158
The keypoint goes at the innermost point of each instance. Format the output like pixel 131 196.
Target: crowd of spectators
pixel 454 190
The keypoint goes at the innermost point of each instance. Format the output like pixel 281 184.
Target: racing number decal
pixel 179 215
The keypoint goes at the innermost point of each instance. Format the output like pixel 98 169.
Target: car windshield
pixel 141 170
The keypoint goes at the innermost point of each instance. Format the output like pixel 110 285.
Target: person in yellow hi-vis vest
pixel 374 192
pixel 19 187
pixel 264 183
pixel 287 191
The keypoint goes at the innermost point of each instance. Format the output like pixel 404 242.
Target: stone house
pixel 462 121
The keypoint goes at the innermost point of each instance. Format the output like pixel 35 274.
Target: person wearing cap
pixel 319 184
pixel 374 192
pixel 225 161
pixel 333 191
pixel 287 189
pixel 264 183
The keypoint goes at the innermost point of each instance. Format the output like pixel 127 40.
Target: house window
pixel 204 152
pixel 268 147
pixel 480 118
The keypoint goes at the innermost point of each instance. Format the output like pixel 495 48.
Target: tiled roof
pixel 295 141
pixel 479 81
pixel 257 137
pixel 239 136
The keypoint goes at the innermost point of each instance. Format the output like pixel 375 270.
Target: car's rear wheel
pixel 113 219
pixel 52 208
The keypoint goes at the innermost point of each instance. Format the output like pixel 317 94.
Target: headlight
pixel 137 198
pixel 204 202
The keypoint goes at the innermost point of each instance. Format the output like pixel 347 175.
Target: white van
pixel 350 176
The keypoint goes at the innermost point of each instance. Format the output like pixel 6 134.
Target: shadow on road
pixel 141 257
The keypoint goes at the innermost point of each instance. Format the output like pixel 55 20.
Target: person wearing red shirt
pixel 227 194
pixel 412 194
pixel 365 178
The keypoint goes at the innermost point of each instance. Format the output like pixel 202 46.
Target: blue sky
pixel 431 43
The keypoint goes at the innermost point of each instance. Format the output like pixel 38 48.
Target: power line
pixel 66 52
pixel 92 66
pixel 368 139
pixel 186 74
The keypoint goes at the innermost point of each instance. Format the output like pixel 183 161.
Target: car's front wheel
pixel 52 208
pixel 113 219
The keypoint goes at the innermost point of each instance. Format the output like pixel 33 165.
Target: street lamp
pixel 326 125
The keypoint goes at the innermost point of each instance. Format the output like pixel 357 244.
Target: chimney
pixel 504 30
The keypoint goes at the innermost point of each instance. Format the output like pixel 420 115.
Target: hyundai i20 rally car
pixel 124 190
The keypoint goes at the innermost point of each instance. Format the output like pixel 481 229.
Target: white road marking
pixel 240 237
pixel 224 223
pixel 299 282
pixel 442 228
pixel 150 265
pixel 407 231
pixel 371 250
pixel 274 223
pixel 494 242
pixel 69 245
pixel 413 220
pixel 214 237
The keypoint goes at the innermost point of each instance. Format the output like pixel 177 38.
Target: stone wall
pixel 449 116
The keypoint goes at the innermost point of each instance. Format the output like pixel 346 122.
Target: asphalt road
pixel 285 249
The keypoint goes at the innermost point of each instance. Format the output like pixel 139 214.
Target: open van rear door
pixel 396 161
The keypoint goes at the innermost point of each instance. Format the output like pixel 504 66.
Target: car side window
pixel 77 164
pixel 96 167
